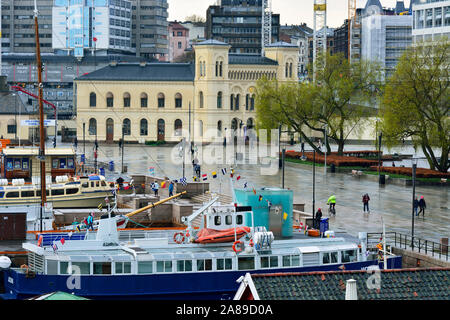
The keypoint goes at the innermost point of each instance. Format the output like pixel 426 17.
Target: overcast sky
pixel 291 11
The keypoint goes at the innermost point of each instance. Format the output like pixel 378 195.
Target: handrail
pixel 404 241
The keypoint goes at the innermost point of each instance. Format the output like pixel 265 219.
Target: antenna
pixel 266 24
pixel 320 35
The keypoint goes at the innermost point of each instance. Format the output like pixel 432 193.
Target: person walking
pixel 365 200
pixel 171 186
pixel 90 222
pixel 155 187
pixel 422 206
pixel 416 206
pixel 318 218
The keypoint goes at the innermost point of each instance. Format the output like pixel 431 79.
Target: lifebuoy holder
pixel 178 239
pixel 237 248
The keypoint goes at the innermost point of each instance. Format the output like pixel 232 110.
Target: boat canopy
pixel 96 177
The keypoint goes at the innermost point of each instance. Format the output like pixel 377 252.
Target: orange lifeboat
pixel 220 236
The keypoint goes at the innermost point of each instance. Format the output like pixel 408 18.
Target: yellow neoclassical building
pixel 164 101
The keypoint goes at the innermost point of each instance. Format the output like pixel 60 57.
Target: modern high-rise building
pixel 150 36
pixel 239 23
pixel 80 27
pixel 431 19
pixel 17 26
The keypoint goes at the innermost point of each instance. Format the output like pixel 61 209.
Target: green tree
pixel 416 102
pixel 336 100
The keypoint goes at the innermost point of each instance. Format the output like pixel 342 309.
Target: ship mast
pixel 41 113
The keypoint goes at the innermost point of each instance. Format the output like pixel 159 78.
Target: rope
pixel 138 224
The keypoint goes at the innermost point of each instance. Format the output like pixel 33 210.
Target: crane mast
pixel 266 24
pixel 320 35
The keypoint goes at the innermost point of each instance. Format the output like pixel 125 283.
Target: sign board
pixel 151 171
pixel 33 122
pixel 4 143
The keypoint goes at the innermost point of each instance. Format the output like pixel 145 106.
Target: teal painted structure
pixel 262 216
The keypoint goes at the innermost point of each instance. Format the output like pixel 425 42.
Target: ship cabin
pixel 222 217
pixel 157 256
pixel 24 163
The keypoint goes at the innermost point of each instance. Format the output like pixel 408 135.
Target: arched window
pixel 290 70
pixel 144 100
pixel 126 100
pixel 161 100
pixel 92 100
pixel 178 127
pixel 219 100
pixel 109 100
pixel 247 101
pixel 92 127
pixel 232 102
pixel 252 103
pixel 200 98
pixel 220 69
pixel 236 106
pixel 287 70
pixel 144 127
pixel 126 127
pixel 178 100
pixel 250 123
pixel 217 68
pixel 219 128
pixel 234 124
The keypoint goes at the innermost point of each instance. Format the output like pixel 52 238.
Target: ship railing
pixel 407 242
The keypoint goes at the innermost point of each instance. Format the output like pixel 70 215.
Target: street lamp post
pixel 326 149
pixel 314 183
pixel 414 167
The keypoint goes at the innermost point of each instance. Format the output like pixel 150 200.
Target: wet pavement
pixel 392 202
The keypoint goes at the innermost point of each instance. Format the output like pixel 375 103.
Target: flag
pixel 260 197
pixel 238 178
pixel 342 267
pixel 285 216
pixel 380 246
pixel 163 184
pixel 245 185
pixel 183 181
pixel 232 173
pixel 224 171
pixel 41 238
pixel 205 177
pixel 254 191
pixel 214 174
pixel 63 241
pixel 78 228
pixel 55 247
pixel 100 207
pixel 269 203
pixel 195 178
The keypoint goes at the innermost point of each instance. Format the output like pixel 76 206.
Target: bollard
pixel 382 179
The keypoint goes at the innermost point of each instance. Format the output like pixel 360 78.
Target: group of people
pixel 155 188
pixel 419 204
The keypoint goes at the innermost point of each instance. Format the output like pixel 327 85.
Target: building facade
pixel 298 35
pixel 239 23
pixel 341 44
pixel 17 26
pixel 165 102
pixel 385 38
pixel 149 29
pixel 431 20
pixel 330 45
pixel 178 40
pixel 80 26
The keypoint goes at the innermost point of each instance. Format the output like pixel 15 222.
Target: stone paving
pixel 390 201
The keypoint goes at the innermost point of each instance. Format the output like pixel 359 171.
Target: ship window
pixel 246 263
pixel 224 264
pixel 291 261
pixel 12 194
pixel 204 265
pixel 81 268
pixel 103 184
pixel 217 220
pixel 52 267
pixel 164 266
pixel 27 194
pixel 85 185
pixel 145 267
pixel 72 191
pixel 334 257
pixel 92 184
pixel 269 262
pixel 58 192
pixel 228 220
pixel 349 256
pixel 102 267
pixel 326 258
pixel 184 265
pixel 63 266
pixel 97 183
pixel 239 219
pixel 38 193
pixel 2 194
pixel 123 267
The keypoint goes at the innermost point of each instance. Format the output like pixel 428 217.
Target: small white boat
pixel 83 192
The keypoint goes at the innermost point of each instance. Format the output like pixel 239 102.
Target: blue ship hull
pixel 174 286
